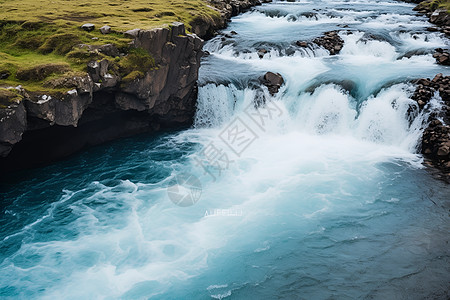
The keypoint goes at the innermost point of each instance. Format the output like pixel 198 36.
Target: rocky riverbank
pixel 435 145
pixel 158 91
pixel 438 14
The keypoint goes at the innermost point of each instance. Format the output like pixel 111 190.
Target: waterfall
pixel 316 191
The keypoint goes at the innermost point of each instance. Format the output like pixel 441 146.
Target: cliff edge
pixel 87 85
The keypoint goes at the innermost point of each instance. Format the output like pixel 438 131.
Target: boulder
pixel 109 49
pixel 261 53
pixel 442 57
pixel 88 27
pixel 105 29
pixel 273 81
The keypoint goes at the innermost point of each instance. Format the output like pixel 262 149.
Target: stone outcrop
pixel 436 138
pixel 439 17
pixel 13 120
pixel 104 104
pixel 331 41
pixel 165 93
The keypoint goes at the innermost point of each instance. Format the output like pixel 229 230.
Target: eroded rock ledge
pixel 104 105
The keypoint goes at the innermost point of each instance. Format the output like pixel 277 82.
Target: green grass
pixel 435 4
pixel 121 15
pixel 35 34
pixel 8 96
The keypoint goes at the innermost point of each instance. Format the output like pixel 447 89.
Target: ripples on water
pixel 334 202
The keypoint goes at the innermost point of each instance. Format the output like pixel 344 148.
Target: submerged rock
pixel 273 81
pixel 261 53
pixel 302 44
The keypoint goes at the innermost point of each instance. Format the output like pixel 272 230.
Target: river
pixel 316 192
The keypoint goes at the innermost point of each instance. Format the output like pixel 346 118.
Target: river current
pixel 316 192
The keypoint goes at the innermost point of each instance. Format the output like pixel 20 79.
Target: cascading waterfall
pixel 324 197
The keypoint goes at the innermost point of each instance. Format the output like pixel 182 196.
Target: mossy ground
pixel 8 96
pixel 35 34
pixel 432 5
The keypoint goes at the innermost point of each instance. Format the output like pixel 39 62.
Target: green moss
pixel 81 56
pixel 432 5
pixel 63 82
pixel 36 33
pixel 60 43
pixel 40 72
pixel 132 76
pixel 137 60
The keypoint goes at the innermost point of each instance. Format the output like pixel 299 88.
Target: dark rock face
pixel 436 138
pixel 165 95
pixel 105 29
pixel 88 27
pixel 330 41
pixel 13 122
pixel 273 81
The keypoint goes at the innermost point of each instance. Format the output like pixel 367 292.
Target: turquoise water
pixel 328 201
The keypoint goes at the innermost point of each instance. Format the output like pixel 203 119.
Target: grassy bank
pixel 38 39
pixel 432 5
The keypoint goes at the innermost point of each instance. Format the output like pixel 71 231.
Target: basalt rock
pixel 163 96
pixel 331 41
pixel 436 138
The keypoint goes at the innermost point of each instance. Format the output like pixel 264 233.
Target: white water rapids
pixel 325 197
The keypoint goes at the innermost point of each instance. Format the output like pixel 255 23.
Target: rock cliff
pixel 164 94
pixel 104 103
